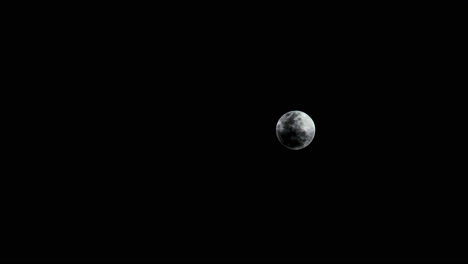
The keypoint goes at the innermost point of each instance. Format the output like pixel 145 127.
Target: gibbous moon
pixel 295 130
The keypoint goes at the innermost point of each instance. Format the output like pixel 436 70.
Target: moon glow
pixel 295 130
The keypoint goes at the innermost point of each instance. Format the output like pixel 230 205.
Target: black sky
pixel 154 136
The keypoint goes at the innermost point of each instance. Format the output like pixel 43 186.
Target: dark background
pixel 149 132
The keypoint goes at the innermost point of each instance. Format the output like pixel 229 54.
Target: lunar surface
pixel 295 130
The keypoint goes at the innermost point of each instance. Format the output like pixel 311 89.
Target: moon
pixel 295 130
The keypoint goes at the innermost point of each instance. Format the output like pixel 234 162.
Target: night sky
pixel 154 137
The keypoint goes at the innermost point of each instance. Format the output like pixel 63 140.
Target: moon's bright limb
pixel 295 130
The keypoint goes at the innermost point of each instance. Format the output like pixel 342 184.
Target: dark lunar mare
pixel 295 138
